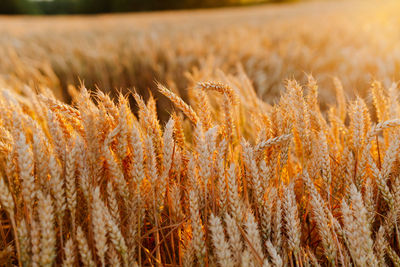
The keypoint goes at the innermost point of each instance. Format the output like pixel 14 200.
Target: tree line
pixel 107 6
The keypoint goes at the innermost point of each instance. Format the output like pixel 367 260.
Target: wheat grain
pixel 221 245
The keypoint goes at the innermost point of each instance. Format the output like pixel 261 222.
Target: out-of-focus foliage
pixel 18 7
pixel 107 6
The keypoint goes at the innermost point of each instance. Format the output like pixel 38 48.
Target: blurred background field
pixel 356 41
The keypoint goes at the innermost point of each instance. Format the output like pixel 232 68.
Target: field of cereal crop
pixel 253 136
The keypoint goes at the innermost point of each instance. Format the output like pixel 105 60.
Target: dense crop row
pixel 234 182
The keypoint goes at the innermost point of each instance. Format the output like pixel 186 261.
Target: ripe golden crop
pixel 236 137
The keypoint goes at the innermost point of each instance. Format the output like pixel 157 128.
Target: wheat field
pixel 257 136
